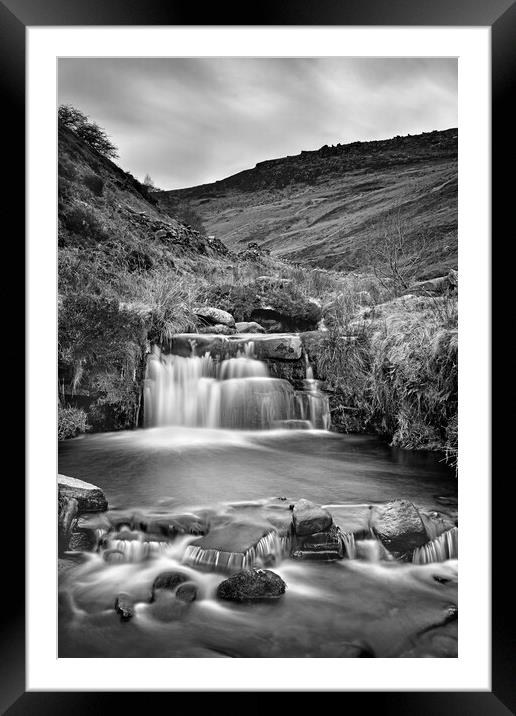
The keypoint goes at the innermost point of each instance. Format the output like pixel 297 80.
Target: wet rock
pixel 212 316
pixel 251 585
pixel 124 606
pixel 89 497
pixel 94 521
pixel 67 512
pixel 187 592
pixel 399 526
pixel 249 327
pixel 167 581
pixel 83 541
pixel 322 546
pixel 309 518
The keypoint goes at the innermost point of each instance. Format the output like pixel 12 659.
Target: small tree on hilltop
pixel 148 181
pixel 87 130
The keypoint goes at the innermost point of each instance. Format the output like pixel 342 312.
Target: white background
pixel 471 670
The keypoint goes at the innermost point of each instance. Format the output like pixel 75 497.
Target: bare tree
pixel 395 259
pixel 148 181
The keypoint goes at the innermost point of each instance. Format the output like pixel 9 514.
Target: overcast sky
pixel 192 121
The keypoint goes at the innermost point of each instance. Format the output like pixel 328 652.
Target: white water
pixel 232 393
pixel 439 549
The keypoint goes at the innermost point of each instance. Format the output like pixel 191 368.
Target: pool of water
pixel 346 608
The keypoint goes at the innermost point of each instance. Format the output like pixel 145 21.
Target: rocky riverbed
pixel 336 571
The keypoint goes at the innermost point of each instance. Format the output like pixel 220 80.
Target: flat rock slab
pixel 277 346
pixel 90 498
pixel 233 537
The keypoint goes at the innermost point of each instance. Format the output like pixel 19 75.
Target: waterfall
pixel 200 391
pixel 439 549
pixel 272 546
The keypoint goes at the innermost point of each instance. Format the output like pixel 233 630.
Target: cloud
pixel 191 121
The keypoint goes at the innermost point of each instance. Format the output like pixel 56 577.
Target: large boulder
pixel 251 585
pixel 399 526
pixel 309 518
pixel 90 498
pixel 213 316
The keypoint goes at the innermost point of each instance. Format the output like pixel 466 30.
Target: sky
pixel 190 121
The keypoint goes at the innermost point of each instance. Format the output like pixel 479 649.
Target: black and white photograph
pixel 257 357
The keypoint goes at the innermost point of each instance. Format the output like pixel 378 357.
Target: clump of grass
pixel 94 183
pixel 70 422
pixel 393 367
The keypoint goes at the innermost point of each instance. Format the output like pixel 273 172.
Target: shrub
pixel 70 422
pixel 94 183
pixel 89 131
pixel 83 223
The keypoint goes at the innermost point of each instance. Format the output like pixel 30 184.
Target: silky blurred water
pixel 336 609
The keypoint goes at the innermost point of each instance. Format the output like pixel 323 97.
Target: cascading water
pixel 439 549
pixel 233 393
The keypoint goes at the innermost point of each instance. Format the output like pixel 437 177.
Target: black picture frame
pixel 500 15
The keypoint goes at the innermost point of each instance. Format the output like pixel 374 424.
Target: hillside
pixel 328 207
pixel 132 275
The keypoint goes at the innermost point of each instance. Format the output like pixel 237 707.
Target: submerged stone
pixel 187 592
pixel 251 585
pixel 124 606
pixel 167 581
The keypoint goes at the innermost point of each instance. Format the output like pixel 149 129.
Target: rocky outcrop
pixel 74 498
pixel 398 525
pixel 90 498
pixel 251 585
